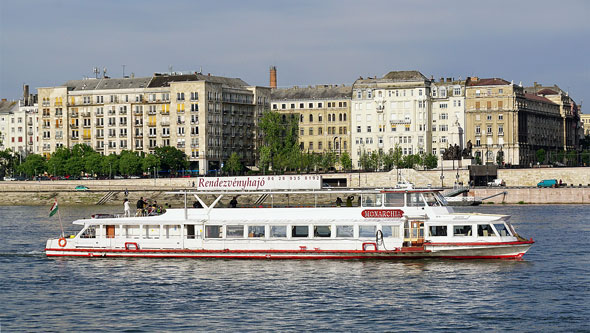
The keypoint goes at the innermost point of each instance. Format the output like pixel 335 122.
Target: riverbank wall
pixel 521 187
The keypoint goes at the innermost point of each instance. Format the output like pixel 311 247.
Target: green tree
pixel 149 163
pixel 171 159
pixel 233 164
pixel 56 165
pixel 279 134
pixel 6 164
pixel 346 161
pixel 328 160
pixel 110 165
pixel 33 165
pixel 430 161
pixel 129 163
pixel 265 159
pixel 500 158
pixel 397 156
pixel 585 156
pixel 540 155
pixel 93 163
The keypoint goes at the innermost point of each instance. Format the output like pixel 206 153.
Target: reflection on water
pixel 548 290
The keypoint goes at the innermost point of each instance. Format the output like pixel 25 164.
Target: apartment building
pixel 448 114
pixel 502 120
pixel 568 109
pixel 389 111
pixel 19 125
pixel 585 120
pixel 208 117
pixel 323 112
pixel 6 109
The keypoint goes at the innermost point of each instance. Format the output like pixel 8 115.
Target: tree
pixel 397 156
pixel 33 165
pixel 6 164
pixel 430 161
pixel 500 158
pixel 233 164
pixel 57 162
pixel 129 163
pixel 279 134
pixel 110 165
pixel 346 161
pixel 328 160
pixel 171 159
pixel 93 163
pixel 149 162
pixel 540 155
pixel 265 159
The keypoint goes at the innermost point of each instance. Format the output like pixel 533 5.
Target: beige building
pixel 448 114
pixel 568 110
pixel 207 117
pixel 324 115
pixel 391 111
pixel 585 120
pixel 503 120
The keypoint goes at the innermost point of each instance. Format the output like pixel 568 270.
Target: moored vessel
pixel 368 224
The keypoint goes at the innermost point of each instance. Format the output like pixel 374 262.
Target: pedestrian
pixel 338 202
pixel 193 184
pixel 127 208
pixel 140 205
pixel 126 192
pixel 234 202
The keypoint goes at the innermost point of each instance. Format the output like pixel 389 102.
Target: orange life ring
pixel 62 242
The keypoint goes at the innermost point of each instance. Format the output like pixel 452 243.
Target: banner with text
pixel 260 183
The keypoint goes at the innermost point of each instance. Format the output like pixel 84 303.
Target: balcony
pixel 74 114
pixel 151 124
pixel 180 145
pixel 140 123
pixel 166 135
pixel 46 115
pixel 86 137
pixel 164 112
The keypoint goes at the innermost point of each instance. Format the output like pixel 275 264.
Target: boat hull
pixel 511 250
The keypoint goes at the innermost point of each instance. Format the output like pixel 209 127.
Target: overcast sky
pixel 47 42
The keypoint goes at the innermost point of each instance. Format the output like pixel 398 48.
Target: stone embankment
pixel 520 188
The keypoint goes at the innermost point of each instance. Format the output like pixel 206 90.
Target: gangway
pixel 456 191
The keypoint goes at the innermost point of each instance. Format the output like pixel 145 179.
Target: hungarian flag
pixel 53 209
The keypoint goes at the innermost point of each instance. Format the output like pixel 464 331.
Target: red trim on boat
pixel 481 243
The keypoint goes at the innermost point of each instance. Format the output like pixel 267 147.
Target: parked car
pixel 497 182
pixel 548 183
pixel 81 188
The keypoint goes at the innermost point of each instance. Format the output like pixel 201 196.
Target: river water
pixel 549 290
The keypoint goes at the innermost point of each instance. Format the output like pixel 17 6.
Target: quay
pixel 521 187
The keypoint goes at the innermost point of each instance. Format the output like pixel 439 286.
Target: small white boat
pixel 375 224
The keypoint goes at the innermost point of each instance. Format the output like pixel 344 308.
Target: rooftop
pixel 475 81
pixel 317 92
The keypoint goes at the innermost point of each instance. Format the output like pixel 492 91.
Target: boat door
pixel 414 233
pixel 110 234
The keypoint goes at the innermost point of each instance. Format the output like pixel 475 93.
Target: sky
pixel 45 43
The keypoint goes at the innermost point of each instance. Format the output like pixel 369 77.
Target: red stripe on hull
pixel 481 243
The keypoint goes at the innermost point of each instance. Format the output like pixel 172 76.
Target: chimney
pixel 26 94
pixel 273 77
pixel 448 79
pixel 442 79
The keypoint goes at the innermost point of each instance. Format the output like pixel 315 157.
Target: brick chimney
pixel 273 77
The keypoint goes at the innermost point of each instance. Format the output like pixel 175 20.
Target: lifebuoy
pixel 62 242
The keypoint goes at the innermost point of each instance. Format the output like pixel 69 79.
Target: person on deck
pixel 140 205
pixel 234 202
pixel 338 202
pixel 127 208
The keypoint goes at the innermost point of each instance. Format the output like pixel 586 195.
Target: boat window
pixel 345 231
pixel 110 231
pixel 394 200
pixel 278 231
pixel 485 230
pixel 367 230
pixel 322 231
pixel 213 231
pixel 431 199
pixel 502 230
pixel 256 231
pixel 299 231
pixel 371 200
pixel 438 230
pixel 90 232
pixel 390 231
pixel 462 230
pixel 234 231
pixel 170 230
pixel 152 231
pixel 190 231
pixel 415 200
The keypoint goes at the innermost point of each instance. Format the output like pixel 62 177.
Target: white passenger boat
pixel 377 224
